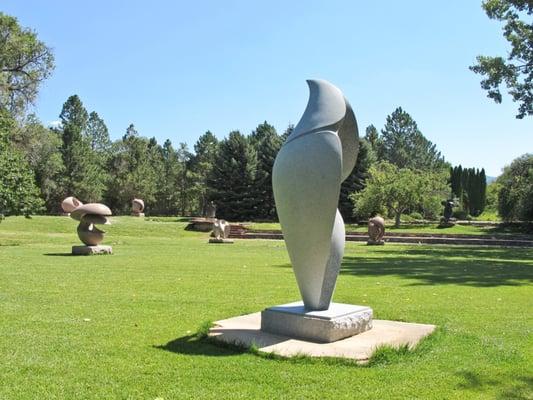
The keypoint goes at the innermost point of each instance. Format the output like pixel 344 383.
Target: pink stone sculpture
pixel 89 215
pixel 137 207
pixel 376 230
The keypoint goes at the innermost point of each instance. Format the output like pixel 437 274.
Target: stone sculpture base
pixel 375 242
pixel 245 331
pixel 338 322
pixel 137 214
pixel 213 240
pixel 91 250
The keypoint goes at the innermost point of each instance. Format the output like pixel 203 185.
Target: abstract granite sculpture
pixel 221 231
pixel 137 208
pixel 308 171
pixel 69 204
pixel 376 231
pixel 89 215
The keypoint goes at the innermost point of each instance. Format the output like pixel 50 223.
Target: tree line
pixel 398 171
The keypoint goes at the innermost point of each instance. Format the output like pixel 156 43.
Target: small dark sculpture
pixel 376 231
pixel 447 220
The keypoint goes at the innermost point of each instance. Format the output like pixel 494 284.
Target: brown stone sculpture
pixel 221 231
pixel 89 215
pixel 69 204
pixel 376 231
pixel 137 207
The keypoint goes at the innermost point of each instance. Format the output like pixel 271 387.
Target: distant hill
pixel 491 179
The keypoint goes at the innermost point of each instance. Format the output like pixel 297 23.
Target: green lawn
pixel 122 326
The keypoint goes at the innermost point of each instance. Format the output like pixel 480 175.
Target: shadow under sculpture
pixel 316 158
pixel 90 215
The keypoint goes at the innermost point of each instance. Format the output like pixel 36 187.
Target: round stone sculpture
pixel 319 154
pixel 90 215
pixel 376 230
pixel 70 204
pixel 137 207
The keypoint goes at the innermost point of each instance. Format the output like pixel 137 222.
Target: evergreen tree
pixel 267 143
pixel 372 137
pixel 356 181
pixel 202 162
pixel 233 177
pixel 98 135
pixel 132 173
pixel 84 176
pixel 403 145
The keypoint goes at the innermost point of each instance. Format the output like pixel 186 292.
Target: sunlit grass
pixel 125 326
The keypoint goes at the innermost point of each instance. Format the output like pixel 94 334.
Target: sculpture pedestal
pixel 375 242
pixel 338 322
pixel 213 240
pixel 91 250
pixel 134 214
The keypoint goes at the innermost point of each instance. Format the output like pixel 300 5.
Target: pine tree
pixel 483 190
pixel 267 143
pixel 202 162
pixel 233 177
pixel 372 137
pixel 402 144
pixel 356 181
pixel 85 176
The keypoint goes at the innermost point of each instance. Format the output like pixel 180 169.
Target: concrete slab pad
pixel 245 331
pixel 91 250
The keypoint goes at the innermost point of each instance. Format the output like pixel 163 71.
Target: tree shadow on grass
pixel 517 387
pixel 481 267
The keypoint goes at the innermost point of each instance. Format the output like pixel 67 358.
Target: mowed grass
pixel 122 326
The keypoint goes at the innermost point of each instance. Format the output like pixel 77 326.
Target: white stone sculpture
pixel 221 231
pixel 307 175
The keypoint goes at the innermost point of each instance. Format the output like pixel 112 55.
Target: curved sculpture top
pixel 137 205
pixel 89 215
pixel 70 203
pixel 318 155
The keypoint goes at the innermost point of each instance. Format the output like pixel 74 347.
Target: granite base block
pixel 339 321
pixel 213 240
pixel 91 250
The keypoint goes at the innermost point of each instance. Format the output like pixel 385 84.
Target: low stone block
pixel 337 322
pixel 91 250
pixel 213 240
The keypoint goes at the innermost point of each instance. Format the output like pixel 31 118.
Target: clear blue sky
pixel 176 69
